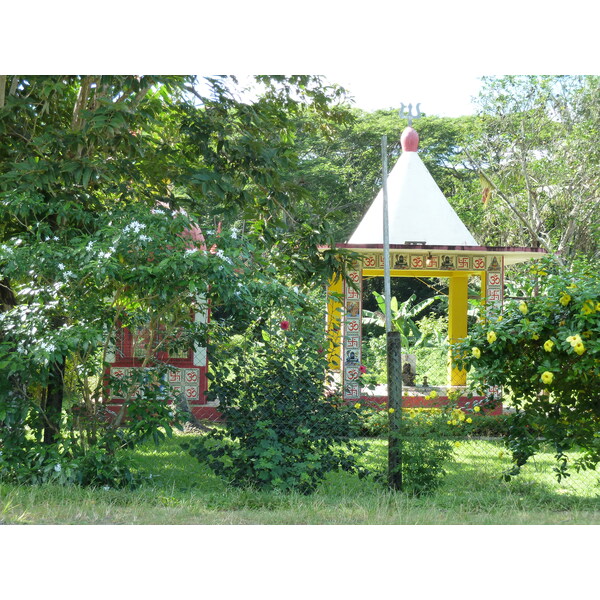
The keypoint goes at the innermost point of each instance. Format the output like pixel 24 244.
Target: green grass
pixel 181 491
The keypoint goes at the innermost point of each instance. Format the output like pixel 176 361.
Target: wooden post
pixel 394 381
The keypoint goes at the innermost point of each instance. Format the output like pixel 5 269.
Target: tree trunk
pixel 54 401
pixel 7 296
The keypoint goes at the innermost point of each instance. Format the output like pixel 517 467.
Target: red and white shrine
pixel 189 376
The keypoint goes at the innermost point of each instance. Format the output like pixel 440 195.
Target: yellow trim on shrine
pixel 458 306
pixel 334 322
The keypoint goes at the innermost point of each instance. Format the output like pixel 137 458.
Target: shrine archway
pixel 456 263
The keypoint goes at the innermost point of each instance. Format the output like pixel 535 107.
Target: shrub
pixel 546 352
pixel 281 430
pixel 88 449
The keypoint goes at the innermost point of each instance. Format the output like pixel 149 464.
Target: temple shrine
pixel 188 379
pixel 427 239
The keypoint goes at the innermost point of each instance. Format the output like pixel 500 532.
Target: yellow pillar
pixel 458 305
pixel 334 322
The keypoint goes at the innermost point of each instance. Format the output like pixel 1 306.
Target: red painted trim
pixel 427 247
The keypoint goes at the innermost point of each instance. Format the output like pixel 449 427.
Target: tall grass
pixel 178 490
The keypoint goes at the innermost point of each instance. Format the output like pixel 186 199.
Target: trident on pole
pixel 407 114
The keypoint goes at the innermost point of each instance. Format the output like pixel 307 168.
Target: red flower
pixel 362 369
pixel 285 325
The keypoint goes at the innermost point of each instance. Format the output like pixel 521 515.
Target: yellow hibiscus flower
pixel 476 352
pixel 548 345
pixel 491 337
pixel 523 308
pixel 547 377
pixel 564 298
pixel 588 307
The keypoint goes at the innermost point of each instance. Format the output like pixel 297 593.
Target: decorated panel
pixel 495 279
pixel 426 262
pixel 352 336
pixel 185 381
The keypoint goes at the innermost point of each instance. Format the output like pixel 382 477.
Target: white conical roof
pixel 418 210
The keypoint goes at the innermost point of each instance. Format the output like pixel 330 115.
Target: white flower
pixel 61 266
pixel 145 238
pixel 157 211
pixel 106 488
pixel 57 468
pixel 189 251
pixel 134 226
pixel 55 239
pixel 69 274
pixel 220 254
pixel 234 234
pixel 89 246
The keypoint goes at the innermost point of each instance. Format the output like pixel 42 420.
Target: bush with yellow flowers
pixel 545 350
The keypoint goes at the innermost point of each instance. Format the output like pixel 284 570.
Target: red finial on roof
pixel 409 140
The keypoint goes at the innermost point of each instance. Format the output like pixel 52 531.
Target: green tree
pixel 94 175
pixel 536 149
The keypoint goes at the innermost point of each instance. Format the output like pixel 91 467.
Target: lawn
pixel 178 490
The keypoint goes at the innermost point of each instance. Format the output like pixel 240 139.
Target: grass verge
pixel 179 491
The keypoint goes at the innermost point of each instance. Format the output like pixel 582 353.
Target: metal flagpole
pixel 386 240
pixel 394 350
